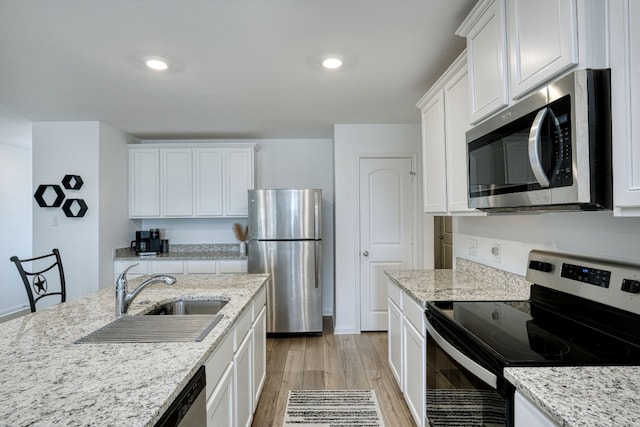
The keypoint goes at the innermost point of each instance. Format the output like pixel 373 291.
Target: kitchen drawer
pixel 217 363
pixel 199 267
pixel 259 301
pixel 394 293
pixel 233 267
pixel 414 312
pixel 139 270
pixel 242 326
pixel 166 267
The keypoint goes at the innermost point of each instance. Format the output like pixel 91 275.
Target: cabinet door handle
pixel 365 253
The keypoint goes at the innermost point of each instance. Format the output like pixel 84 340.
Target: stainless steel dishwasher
pixel 190 407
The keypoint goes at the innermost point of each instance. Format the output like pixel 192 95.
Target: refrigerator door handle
pixel 317 263
pixel 316 216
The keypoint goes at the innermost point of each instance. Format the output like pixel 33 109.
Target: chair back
pixel 39 273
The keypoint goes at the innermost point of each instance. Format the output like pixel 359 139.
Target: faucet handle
pixel 122 278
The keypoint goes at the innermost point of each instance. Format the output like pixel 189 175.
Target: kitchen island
pixel 48 380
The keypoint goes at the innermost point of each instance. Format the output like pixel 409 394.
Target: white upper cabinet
pixel 625 105
pixel 433 154
pixel 239 179
pixel 517 46
pixel 190 180
pixel 144 182
pixel 445 121
pixel 485 30
pixel 176 182
pixel 209 179
pixel 456 113
pixel 542 41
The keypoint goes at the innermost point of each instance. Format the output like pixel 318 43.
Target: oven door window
pixel 457 397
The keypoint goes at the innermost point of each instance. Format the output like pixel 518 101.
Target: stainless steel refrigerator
pixel 285 240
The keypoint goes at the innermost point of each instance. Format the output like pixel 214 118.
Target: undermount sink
pixel 186 307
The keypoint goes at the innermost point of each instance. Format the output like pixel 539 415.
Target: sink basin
pixel 185 307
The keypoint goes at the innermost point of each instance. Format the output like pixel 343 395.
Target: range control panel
pixel 593 276
pixel 609 282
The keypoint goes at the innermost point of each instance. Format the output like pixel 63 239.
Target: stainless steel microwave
pixel 549 151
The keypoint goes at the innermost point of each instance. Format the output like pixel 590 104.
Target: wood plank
pixel 355 375
pixel 313 380
pixel 334 375
pixel 266 410
pixel 392 405
pixel 314 358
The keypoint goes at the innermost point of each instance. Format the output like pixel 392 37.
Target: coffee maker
pixel 147 241
pixel 142 242
pixel 154 240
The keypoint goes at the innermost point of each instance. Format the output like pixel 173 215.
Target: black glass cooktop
pixel 534 333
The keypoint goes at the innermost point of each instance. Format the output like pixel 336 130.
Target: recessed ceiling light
pixel 332 63
pixel 157 64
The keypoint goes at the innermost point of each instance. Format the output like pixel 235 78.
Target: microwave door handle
pixel 534 151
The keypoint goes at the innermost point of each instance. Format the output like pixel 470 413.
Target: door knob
pixel 365 253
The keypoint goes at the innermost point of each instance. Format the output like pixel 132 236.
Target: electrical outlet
pixel 495 252
pixel 472 244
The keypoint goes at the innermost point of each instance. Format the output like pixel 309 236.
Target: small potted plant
pixel 242 234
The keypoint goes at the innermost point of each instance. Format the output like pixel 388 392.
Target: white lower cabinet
pixel 395 342
pixel 408 349
pixel 415 350
pixel 145 267
pixel 259 355
pixel 526 414
pixel 243 390
pixel 220 404
pixel 236 370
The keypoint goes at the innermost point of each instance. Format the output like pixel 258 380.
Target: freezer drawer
pixel 294 291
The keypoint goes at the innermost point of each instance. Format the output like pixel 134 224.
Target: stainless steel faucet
pixel 124 298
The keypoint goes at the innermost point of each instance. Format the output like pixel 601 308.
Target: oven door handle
pixel 477 370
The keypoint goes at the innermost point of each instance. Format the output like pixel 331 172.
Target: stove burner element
pixel 547 346
pixel 602 346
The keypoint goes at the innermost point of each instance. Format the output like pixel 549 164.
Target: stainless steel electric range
pixel 582 311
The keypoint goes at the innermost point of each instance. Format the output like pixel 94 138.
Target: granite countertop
pixel 48 380
pixel 577 396
pixel 469 282
pixel 226 251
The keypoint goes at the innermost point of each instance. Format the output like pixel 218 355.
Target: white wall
pixel 115 229
pixel 15 207
pixel 62 148
pixel 596 234
pixel 279 163
pixel 349 142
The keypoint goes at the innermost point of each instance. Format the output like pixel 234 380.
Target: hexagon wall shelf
pixel 72 182
pixel 74 204
pixel 42 189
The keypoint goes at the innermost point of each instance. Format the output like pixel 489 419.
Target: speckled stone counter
pixel 469 282
pixel 581 396
pixel 227 251
pixel 48 380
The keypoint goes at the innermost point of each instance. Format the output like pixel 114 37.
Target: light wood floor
pixel 329 362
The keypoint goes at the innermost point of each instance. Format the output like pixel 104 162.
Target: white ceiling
pixel 239 68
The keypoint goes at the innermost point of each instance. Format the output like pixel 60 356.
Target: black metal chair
pixel 35 280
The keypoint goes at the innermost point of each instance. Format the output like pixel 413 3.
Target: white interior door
pixel 387 227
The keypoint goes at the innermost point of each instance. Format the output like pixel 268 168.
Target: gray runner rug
pixel 332 408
